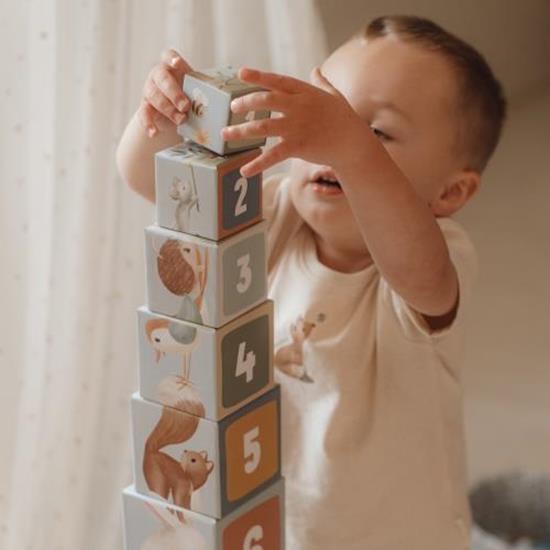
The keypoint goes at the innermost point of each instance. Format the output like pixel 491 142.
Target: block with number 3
pixel 201 465
pixel 202 281
pixel 154 524
pixel 201 193
pixel 228 366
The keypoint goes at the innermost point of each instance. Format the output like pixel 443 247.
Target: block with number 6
pixel 256 525
pixel 201 465
pixel 206 282
pixel 201 193
pixel 228 366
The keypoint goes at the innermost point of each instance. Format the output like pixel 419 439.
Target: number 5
pixel 255 534
pixel 252 450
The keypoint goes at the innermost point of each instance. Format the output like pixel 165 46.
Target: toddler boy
pixel 370 275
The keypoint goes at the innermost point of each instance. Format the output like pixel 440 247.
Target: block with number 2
pixel 203 194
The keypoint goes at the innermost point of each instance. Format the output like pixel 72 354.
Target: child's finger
pixel 161 103
pixel 266 160
pixel 270 101
pixel 176 62
pixel 169 86
pixel 146 118
pixel 272 81
pixel 267 127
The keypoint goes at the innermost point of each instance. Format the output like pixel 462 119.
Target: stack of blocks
pixel 206 419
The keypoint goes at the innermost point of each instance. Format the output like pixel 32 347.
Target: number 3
pixel 255 534
pixel 241 185
pixel 252 450
pixel 245 275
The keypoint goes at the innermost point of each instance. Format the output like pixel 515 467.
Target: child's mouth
pixel 327 186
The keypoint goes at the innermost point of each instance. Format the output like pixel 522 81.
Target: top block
pixel 211 92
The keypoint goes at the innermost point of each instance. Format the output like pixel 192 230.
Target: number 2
pixel 254 535
pixel 245 362
pixel 252 450
pixel 245 275
pixel 241 185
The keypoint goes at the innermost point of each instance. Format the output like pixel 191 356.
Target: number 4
pixel 245 362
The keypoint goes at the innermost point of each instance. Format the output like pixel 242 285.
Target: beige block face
pixel 228 367
pixel 208 283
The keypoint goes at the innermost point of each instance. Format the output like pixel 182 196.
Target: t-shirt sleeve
pixel 464 259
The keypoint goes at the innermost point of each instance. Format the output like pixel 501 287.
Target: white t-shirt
pixel 372 427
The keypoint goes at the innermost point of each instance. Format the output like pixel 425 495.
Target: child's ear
pixel 456 193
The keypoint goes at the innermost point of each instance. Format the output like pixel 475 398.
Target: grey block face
pixel 211 92
pixel 228 367
pixel 244 271
pixel 192 278
pixel 245 361
pixel 241 199
pixel 153 524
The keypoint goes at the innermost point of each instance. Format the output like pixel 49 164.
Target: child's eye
pixel 381 135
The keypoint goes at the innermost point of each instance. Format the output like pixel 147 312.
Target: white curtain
pixel 72 270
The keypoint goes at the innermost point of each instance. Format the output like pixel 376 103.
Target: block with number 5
pixel 206 282
pixel 201 193
pixel 228 366
pixel 256 525
pixel 201 465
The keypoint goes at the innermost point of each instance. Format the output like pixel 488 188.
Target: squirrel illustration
pixel 290 358
pixel 163 474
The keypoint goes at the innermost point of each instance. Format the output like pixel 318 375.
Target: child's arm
pixel 398 227
pixel 153 126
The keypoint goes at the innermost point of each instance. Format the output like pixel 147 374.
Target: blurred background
pixel 71 235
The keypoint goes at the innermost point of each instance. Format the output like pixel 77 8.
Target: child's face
pixel 407 93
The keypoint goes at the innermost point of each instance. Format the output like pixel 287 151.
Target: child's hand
pixel 164 103
pixel 317 125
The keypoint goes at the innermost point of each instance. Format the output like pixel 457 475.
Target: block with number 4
pixel 151 524
pixel 206 282
pixel 228 367
pixel 211 92
pixel 201 465
pixel 204 194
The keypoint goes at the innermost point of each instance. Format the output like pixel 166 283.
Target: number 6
pixel 255 534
